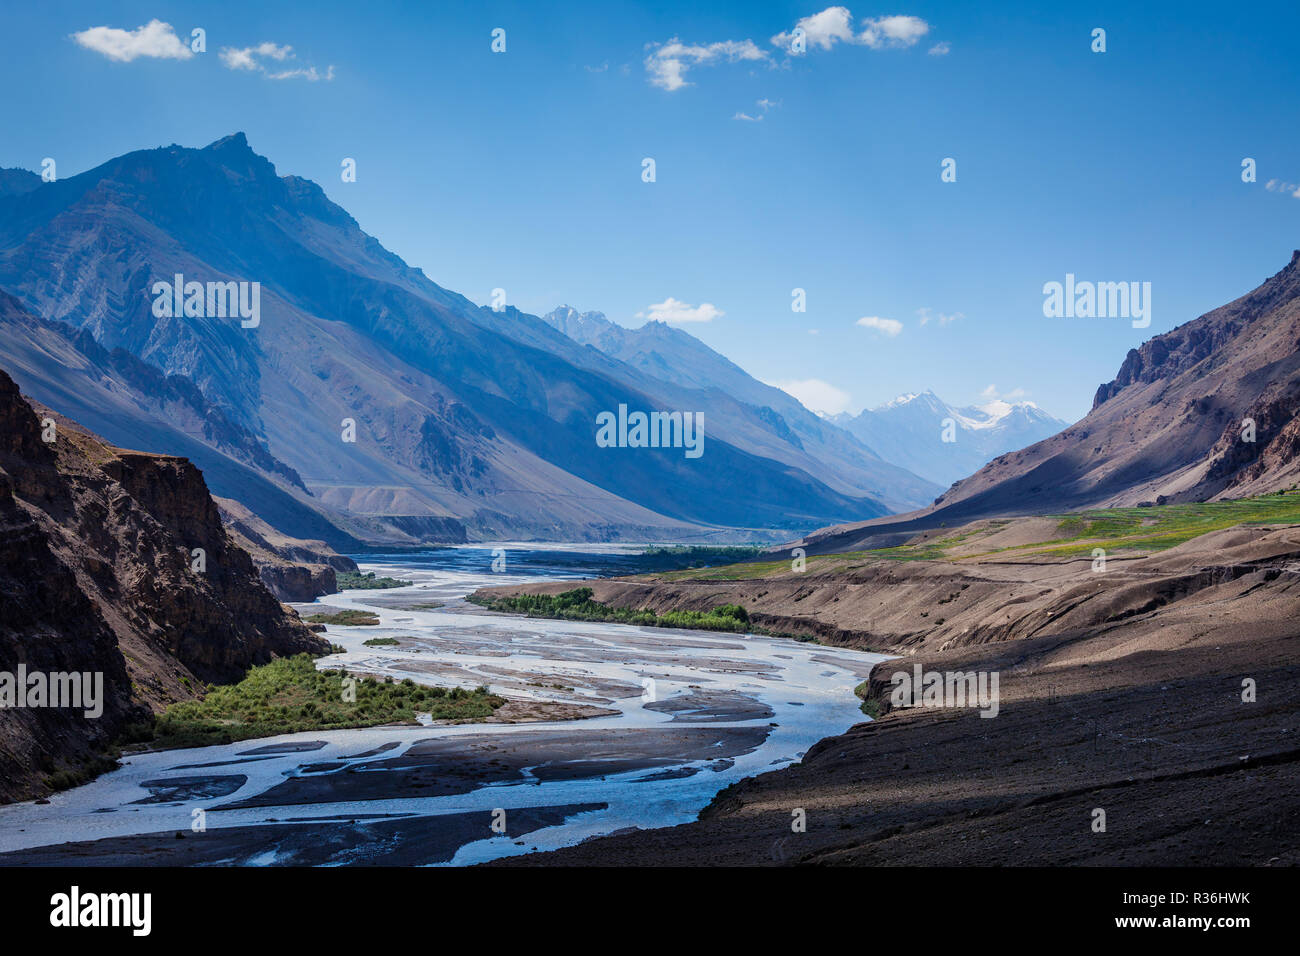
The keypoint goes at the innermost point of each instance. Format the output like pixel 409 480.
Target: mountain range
pixel 1207 411
pixel 669 354
pixel 914 431
pixel 369 403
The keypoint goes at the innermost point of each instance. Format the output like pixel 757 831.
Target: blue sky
pixel 523 170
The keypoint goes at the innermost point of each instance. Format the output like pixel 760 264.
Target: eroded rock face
pixel 115 562
pixel 298 583
pixel 292 569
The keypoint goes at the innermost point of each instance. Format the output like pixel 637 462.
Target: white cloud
pixel 942 318
pixel 816 395
pixel 1278 186
pixel 668 63
pixel 893 31
pixel 835 25
pixel 252 58
pixel 674 312
pixel 890 327
pixel 246 59
pixel 941 49
pixel 747 117
pixel 155 39
pixel 992 394
pixel 821 30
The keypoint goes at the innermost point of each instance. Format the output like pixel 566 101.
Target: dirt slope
pixel 1118 690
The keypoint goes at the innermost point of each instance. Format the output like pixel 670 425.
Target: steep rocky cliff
pixel 291 568
pixel 114 562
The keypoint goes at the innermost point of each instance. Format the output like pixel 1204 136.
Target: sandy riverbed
pixel 678 716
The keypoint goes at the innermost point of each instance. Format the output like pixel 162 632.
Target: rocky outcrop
pixel 292 569
pixel 115 563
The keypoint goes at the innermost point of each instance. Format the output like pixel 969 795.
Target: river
pixel 679 715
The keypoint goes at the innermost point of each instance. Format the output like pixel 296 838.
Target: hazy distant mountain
pixel 910 430
pixel 1204 412
pixel 467 421
pixel 674 356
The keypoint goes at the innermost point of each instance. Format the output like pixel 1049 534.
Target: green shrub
pixel 358 580
pixel 347 618
pixel 290 695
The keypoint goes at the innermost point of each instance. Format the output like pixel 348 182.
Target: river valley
pixel 609 728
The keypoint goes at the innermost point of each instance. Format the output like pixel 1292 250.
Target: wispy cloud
pixel 675 312
pixel 155 40
pixel 816 395
pixel 763 106
pixel 1278 186
pixel 248 57
pixel 992 394
pixel 941 49
pixel 890 327
pixel 942 318
pixel 822 31
pixel 310 74
pixel 254 60
pixel 668 63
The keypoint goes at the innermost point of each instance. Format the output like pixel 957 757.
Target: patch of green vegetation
pixel 347 617
pixel 869 707
pixel 290 695
pixel 427 606
pixel 1159 527
pixel 366 581
pixel 732 572
pixel 677 557
pixel 381 642
pixel 577 605
pixel 1153 528
pixel 68 778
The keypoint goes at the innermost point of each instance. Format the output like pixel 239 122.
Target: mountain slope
pixel 674 356
pixel 97 575
pixel 466 421
pixel 1171 426
pixel 910 429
